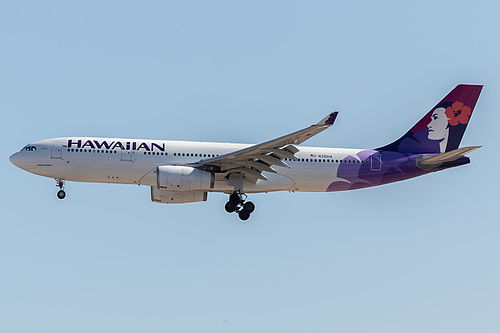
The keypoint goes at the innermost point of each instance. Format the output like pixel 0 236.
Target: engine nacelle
pixel 176 197
pixel 183 178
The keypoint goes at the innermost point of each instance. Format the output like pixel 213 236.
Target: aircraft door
pixel 127 155
pixel 56 150
pixel 376 162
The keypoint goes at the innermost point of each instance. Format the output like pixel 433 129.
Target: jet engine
pixel 183 178
pixel 176 197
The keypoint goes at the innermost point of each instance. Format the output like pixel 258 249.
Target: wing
pixel 253 160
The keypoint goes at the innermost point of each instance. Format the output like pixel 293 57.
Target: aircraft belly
pixel 99 171
pixel 149 179
pixel 313 179
pixel 274 182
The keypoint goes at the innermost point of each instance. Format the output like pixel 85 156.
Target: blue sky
pixel 420 255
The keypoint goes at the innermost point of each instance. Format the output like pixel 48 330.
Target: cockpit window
pixel 29 148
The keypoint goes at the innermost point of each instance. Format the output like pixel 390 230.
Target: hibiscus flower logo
pixel 458 113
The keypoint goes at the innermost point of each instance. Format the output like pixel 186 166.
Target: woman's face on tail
pixel 438 127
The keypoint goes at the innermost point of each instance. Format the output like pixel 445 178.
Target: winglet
pixel 328 120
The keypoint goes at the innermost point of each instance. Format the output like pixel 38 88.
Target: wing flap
pixel 259 166
pixel 281 153
pixel 271 160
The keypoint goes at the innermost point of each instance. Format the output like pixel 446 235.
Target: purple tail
pixel 442 128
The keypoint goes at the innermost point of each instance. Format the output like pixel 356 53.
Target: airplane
pixel 184 171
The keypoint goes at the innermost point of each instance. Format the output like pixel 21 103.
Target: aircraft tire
pixel 234 199
pixel 61 194
pixel 244 215
pixel 249 207
pixel 230 207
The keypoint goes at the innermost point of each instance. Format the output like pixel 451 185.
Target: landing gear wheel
pixel 249 207
pixel 237 204
pixel 61 194
pixel 244 215
pixel 234 198
pixel 60 183
pixel 230 207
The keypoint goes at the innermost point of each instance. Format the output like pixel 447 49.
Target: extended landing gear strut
pixel 237 204
pixel 60 194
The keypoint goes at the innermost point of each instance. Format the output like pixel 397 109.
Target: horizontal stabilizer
pixel 425 162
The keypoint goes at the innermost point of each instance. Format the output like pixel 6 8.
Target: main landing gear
pixel 237 204
pixel 60 194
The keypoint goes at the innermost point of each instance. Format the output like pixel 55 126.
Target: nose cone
pixel 14 159
pixel 19 161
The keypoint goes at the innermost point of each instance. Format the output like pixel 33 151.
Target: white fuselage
pixel 131 161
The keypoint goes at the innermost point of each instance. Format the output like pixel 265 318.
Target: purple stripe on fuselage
pixel 394 166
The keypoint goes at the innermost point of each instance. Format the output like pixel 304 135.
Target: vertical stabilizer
pixel 443 127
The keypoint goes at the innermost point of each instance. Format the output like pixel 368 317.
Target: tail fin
pixel 443 127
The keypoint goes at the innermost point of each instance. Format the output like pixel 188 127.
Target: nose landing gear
pixel 237 204
pixel 60 194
